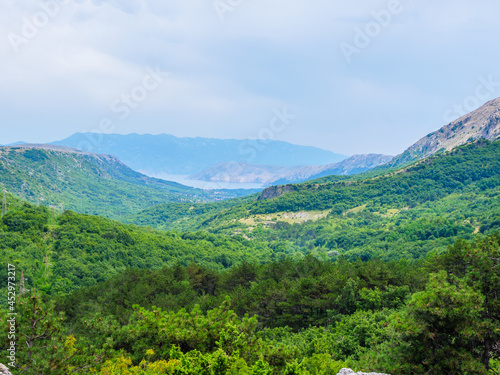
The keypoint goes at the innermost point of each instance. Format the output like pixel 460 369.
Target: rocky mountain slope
pixel 483 123
pixel 352 165
pixel 268 175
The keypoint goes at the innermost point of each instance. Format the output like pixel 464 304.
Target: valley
pixel 393 269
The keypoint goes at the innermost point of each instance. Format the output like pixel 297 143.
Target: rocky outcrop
pixel 348 371
pixel 276 191
pixel 4 370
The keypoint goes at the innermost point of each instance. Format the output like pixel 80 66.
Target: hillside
pixel 84 249
pixel 403 215
pixel 483 123
pixel 269 174
pixel 428 205
pixel 89 183
pixel 155 154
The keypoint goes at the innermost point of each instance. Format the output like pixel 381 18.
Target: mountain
pixel 483 123
pixel 89 183
pixel 14 144
pixel 352 165
pixel 154 154
pixel 429 204
pixel 270 174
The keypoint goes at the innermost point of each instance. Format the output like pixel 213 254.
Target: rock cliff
pixel 276 191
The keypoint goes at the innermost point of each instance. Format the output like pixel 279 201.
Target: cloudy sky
pixel 349 76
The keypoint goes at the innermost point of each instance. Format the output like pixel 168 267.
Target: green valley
pixel 393 271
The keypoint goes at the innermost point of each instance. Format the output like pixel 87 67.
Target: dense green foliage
pixel 42 345
pixel 438 316
pixel 182 216
pixel 402 215
pixel 286 293
pixel 63 252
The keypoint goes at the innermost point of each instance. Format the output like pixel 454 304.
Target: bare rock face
pixel 348 371
pixel 276 191
pixel 4 370
pixel 483 123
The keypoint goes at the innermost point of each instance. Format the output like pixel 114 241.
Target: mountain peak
pixel 483 123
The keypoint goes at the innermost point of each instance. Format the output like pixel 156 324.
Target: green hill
pixel 89 183
pixel 63 252
pixel 402 214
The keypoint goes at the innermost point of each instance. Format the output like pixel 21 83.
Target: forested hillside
pixel 89 183
pixel 62 252
pixel 401 215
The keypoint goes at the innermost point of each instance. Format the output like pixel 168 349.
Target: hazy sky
pixel 349 76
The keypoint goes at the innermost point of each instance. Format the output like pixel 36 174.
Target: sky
pixel 352 77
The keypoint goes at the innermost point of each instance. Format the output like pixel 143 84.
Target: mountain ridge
pixel 269 175
pixel 482 123
pixel 458 190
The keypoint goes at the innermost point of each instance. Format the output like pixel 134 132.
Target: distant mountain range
pixel 156 154
pixel 271 162
pixel 269 175
pixel 220 160
pixel 483 123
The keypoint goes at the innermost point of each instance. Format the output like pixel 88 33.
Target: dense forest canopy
pixel 437 316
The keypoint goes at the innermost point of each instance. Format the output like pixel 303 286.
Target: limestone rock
pixel 4 370
pixel 348 371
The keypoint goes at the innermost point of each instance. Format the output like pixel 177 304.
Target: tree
pixel 478 263
pixel 42 347
pixel 442 328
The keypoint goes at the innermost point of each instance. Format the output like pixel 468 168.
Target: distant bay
pixel 207 185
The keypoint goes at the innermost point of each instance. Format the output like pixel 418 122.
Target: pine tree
pixel 4 204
